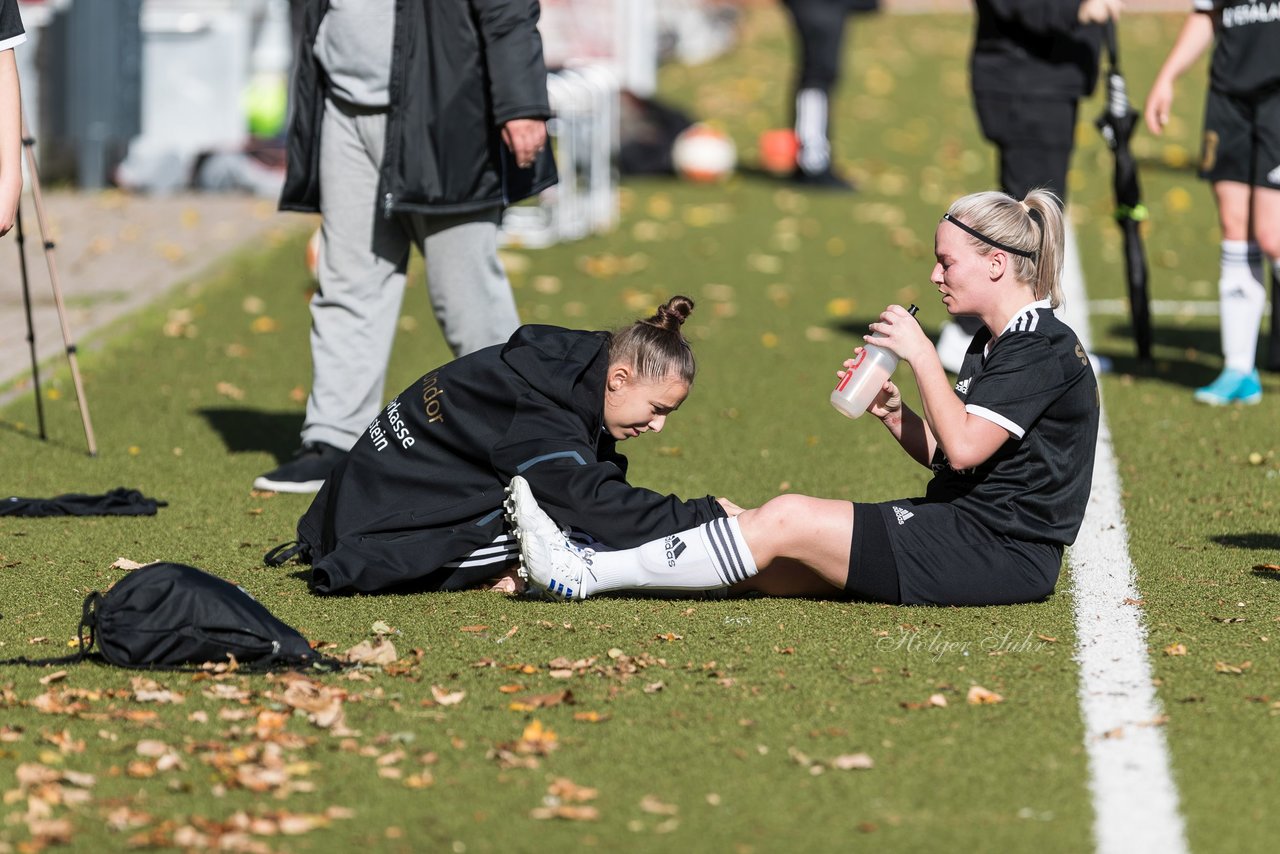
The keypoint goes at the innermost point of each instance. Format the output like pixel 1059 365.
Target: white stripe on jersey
pixel 1025 322
pixel 995 418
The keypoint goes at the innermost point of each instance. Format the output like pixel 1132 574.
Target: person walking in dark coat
pixel 414 122
pixel 419 498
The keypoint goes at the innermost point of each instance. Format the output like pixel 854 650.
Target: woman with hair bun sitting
pixel 419 498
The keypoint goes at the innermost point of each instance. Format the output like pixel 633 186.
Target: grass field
pixel 669 724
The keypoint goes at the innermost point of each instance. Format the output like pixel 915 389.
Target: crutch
pixel 31 327
pixel 28 146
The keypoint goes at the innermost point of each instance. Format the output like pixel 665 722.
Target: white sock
pixel 707 557
pixel 1242 297
pixel 811 131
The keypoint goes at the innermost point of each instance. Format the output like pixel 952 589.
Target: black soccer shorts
pixel 1242 139
pixel 914 553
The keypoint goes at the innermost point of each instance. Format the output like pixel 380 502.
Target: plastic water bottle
pixel 863 381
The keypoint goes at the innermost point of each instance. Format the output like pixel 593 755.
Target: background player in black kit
pixel 419 498
pixel 1011 447
pixel 1241 158
pixel 819 26
pixel 1032 62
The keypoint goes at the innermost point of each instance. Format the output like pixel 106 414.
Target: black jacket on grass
pixel 424 484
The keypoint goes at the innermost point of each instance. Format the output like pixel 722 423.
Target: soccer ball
pixel 703 154
pixel 778 151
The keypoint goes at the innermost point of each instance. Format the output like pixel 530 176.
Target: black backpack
pixel 166 616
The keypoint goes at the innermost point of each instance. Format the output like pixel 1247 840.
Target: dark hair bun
pixel 672 315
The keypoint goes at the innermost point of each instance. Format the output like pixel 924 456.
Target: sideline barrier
pixel 584 138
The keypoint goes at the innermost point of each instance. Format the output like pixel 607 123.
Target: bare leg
pixel 817 532
pixel 786 577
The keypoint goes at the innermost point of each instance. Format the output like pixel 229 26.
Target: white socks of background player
pixel 1242 297
pixel 811 131
pixel 707 557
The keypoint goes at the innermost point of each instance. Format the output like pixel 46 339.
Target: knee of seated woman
pixel 790 517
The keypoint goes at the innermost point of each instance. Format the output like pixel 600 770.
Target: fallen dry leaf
pixel 565 790
pixel 1176 649
pixel 379 651
pixel 652 805
pixel 568 813
pixel 445 697
pixel 979 696
pixel 229 390
pixel 934 701
pixel 149 691
pixel 125 563
pixel 1232 669
pixel 853 762
pixel 57 676
pixel 541 701
pixel 537 739
pixel 322 704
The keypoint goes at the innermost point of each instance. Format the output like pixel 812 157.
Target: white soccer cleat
pixel 549 561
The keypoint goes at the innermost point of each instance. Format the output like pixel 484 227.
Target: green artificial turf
pixel 703 725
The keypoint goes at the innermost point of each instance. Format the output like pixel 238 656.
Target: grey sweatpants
pixel 362 262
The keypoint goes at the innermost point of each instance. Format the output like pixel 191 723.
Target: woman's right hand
pixel 887 403
pixel 729 507
pixel 1159 103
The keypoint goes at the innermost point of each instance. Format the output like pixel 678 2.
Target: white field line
pixel 1135 802
pixel 1159 307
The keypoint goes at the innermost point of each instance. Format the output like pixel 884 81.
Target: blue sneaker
pixel 1232 387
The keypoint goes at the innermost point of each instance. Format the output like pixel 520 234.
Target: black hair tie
pixel 991 242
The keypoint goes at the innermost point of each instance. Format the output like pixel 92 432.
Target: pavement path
pixel 116 253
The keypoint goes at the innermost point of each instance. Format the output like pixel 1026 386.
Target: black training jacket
pixel 424 484
pixel 460 70
pixel 1034 47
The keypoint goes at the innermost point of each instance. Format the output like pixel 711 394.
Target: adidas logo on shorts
pixel 962 387
pixel 1274 175
pixel 903 515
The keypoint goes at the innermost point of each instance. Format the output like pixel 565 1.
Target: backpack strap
pixel 283 553
pixel 88 622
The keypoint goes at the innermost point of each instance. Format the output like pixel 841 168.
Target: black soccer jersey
pixel 12 33
pixel 1035 381
pixel 1246 46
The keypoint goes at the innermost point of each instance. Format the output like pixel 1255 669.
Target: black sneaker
pixel 825 180
pixel 305 473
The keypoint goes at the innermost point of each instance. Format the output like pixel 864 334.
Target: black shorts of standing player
pixel 912 552
pixel 1242 139
pixel 1034 137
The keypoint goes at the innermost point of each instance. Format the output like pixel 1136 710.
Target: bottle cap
pixel 914 308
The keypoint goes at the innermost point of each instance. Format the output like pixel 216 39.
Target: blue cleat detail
pixel 1232 387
